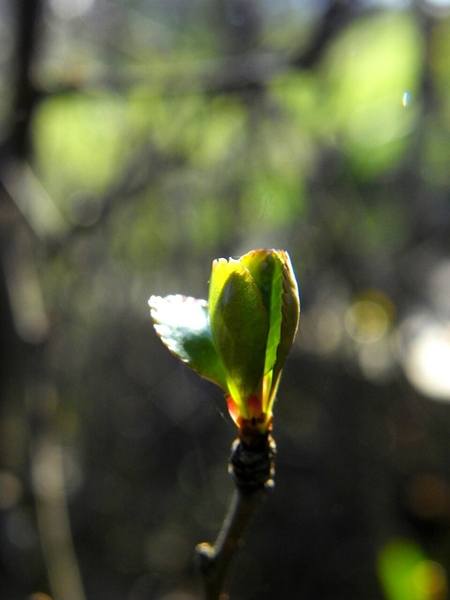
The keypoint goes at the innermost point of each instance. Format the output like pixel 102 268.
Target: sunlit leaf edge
pixel 182 323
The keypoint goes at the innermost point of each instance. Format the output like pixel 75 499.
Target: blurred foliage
pixel 373 77
pixel 405 573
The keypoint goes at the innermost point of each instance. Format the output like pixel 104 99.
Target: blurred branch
pixel 25 295
pixel 23 200
pixel 339 14
pixel 237 72
pixel 213 76
pixel 35 204
pixel 51 500
pixel 148 164
pixel 25 96
pixel 20 192
pixel 20 185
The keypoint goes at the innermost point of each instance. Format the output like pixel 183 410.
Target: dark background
pixel 141 140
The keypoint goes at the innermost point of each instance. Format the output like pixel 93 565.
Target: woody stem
pixel 215 561
pixel 252 467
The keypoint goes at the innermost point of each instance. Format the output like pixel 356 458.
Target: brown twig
pixel 215 561
pixel 252 467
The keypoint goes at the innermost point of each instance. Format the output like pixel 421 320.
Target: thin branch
pixel 26 96
pixel 338 15
pixel 53 519
pixel 216 561
pixel 252 467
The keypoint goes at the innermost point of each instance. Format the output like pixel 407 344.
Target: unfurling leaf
pixel 241 337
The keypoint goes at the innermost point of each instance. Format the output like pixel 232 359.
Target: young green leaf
pixel 241 337
pixel 182 323
pixel 239 324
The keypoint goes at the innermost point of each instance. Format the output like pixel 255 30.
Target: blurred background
pixel 140 140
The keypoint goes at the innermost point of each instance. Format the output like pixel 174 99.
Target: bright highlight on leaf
pixel 241 337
